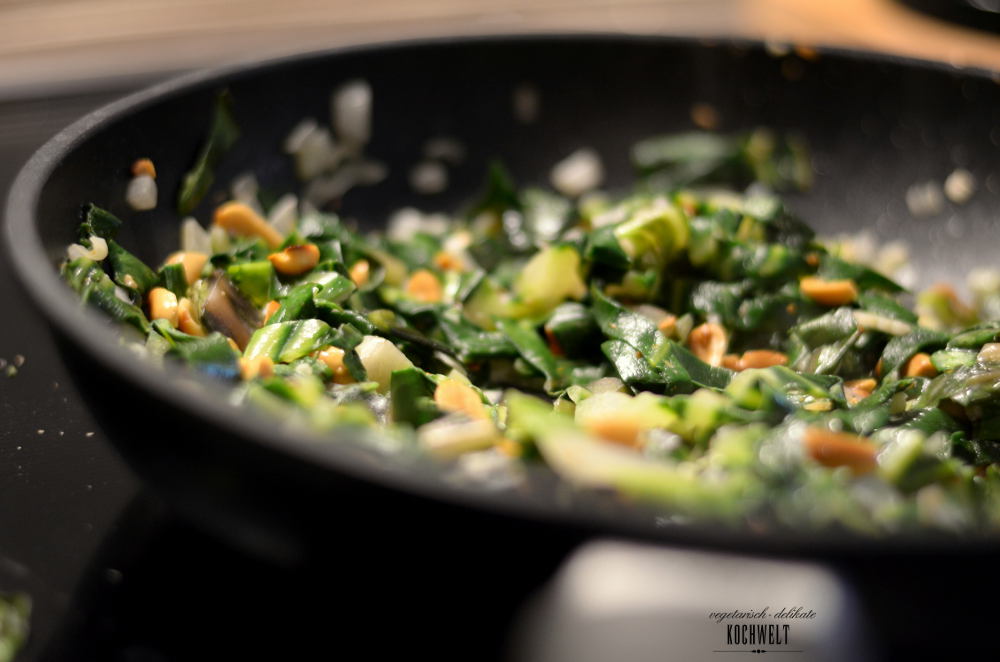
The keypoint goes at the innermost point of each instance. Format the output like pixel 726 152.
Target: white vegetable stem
pixel 578 173
pixel 351 105
pixel 141 193
pixel 380 358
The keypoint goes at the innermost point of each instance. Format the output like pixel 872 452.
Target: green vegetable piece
pixel 828 328
pixel 15 624
pixel 98 222
pixel 336 290
pixel 94 286
pixel 534 350
pixel 834 268
pixel 286 341
pixel 550 277
pixel 412 397
pixel 975 337
pixel 603 248
pixel 222 134
pixel 211 354
pixel 473 344
pixel 886 306
pixel 297 304
pixel 900 348
pixel 173 278
pixel 573 330
pixel 950 359
pixel 254 279
pixel 129 271
pixel 653 235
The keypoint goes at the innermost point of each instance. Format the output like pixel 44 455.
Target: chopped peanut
pixel 333 357
pixel 822 404
pixel 840 449
pixel 143 167
pixel 193 263
pixel 920 366
pixel 424 286
pixel 261 366
pixel 163 305
pixel 761 358
pixel 295 260
pixel 708 342
pixel 453 395
pixel 187 321
pixel 270 308
pixel 857 390
pixel 446 261
pixel 239 219
pixel 624 431
pixel 731 361
pixel 360 272
pixel 829 292
pixel 509 447
pixel 668 325
pixel 232 343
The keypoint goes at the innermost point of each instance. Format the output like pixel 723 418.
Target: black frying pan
pixel 875 124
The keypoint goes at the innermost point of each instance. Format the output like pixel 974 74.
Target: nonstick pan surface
pixel 876 125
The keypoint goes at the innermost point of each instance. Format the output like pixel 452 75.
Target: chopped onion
pixel 380 359
pixel 351 104
pixel 297 137
pixel 444 149
pixel 284 214
pixel 141 193
pixel 317 154
pixel 959 186
pixel 578 173
pixel 454 435
pixel 194 238
pixel 98 250
pixel 404 223
pixel 244 189
pixel 428 177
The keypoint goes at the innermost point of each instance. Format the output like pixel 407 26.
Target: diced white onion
pixel 244 189
pixel 380 358
pixel 98 250
pixel 959 186
pixel 452 436
pixel 578 173
pixel 924 199
pixel 141 193
pixel 428 177
pixel 297 137
pixel 219 239
pixel 404 223
pixel 526 103
pixel 194 238
pixel 444 149
pixel 351 105
pixel 317 154
pixel 284 214
pixel 368 172
pixel 122 295
pixel 888 325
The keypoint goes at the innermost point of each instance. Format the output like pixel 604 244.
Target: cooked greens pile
pixel 690 344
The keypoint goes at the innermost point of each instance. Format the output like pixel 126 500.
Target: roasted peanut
pixel 333 357
pixel 187 321
pixel 143 167
pixel 840 449
pixel 668 325
pixel 193 263
pixel 163 305
pixel 295 260
pixel 857 390
pixel 761 358
pixel 360 272
pixel 424 286
pixel 446 261
pixel 270 308
pixel 453 395
pixel 920 366
pixel 708 342
pixel 829 292
pixel 239 219
pixel 260 366
pixel 624 431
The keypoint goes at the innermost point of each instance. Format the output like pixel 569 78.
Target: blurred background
pixel 113 576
